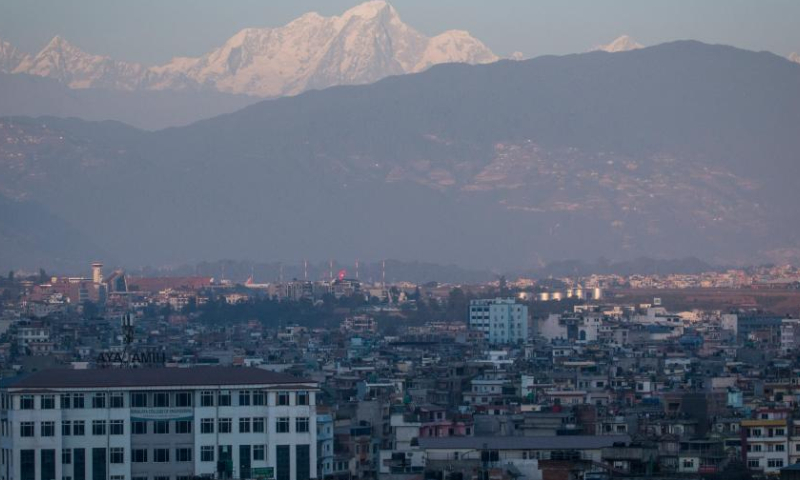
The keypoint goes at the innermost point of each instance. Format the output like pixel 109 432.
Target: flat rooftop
pixel 549 442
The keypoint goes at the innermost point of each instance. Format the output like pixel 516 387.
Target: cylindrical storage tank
pixel 557 295
pixel 597 294
pixel 579 293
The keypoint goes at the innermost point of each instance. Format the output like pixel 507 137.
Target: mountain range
pixel 676 150
pixel 364 44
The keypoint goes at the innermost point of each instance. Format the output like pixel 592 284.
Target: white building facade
pixel 502 320
pixel 158 424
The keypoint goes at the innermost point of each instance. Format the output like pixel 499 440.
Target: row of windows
pixel 164 455
pixel 161 427
pixel 208 398
pixel 771 463
pixel 254 425
pixel 72 428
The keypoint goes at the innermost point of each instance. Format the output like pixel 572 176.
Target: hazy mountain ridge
pixel 504 165
pixel 364 44
pixel 34 96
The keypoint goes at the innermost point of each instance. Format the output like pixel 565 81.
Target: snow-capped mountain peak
pixel 72 66
pixel 794 57
pixel 369 9
pixel 623 43
pixel 10 57
pixel 362 45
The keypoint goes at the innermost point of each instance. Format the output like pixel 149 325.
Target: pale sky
pixel 153 31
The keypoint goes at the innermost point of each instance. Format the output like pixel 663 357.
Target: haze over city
pixel 407 240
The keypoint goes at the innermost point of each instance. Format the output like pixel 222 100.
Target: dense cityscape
pixel 399 240
pixel 338 378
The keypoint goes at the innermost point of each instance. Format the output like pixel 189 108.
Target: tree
pixel 503 285
pixel 457 304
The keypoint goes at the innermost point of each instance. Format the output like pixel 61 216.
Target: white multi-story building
pixel 502 320
pixel 157 424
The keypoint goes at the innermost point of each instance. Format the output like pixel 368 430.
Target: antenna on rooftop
pixel 305 270
pixel 383 273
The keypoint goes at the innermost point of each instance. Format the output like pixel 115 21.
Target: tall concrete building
pixel 502 320
pixel 157 424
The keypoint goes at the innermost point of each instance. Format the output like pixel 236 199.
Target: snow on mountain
pixel 10 57
pixel 77 69
pixel 794 57
pixel 621 44
pixel 364 44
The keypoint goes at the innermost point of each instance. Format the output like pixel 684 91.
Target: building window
pixel 258 425
pixel 139 455
pixel 79 428
pixel 161 427
pixel 161 399
pixel 48 429
pixel 161 477
pixel 26 429
pixel 283 398
pixel 224 425
pixel 302 398
pixel 207 425
pixel 224 399
pixel 244 425
pixel 27 464
pixel 66 456
pixel 259 452
pixel 206 398
pixel 48 402
pixel 139 427
pixel 66 401
pixel 301 424
pixel 753 463
pixel 282 462
pixel 183 426
pixel 117 400
pixel 98 427
pixel 259 398
pixel 244 398
pixel 207 453
pixel 117 455
pixel 282 425
pixel 161 455
pixel 775 463
pixel 117 427
pixel 183 399
pixel 183 454
pixel 99 400
pixel 303 462
pixel 77 400
pixel 66 428
pixel 26 402
pixel 138 400
pixel 48 462
pixel 779 447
